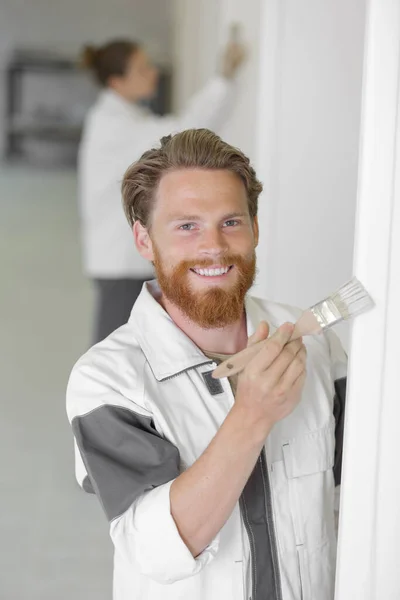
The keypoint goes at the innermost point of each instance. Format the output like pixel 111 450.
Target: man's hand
pixel 270 386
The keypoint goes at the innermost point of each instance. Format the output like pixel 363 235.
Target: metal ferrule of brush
pixel 326 313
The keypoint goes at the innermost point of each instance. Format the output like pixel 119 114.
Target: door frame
pixel 369 531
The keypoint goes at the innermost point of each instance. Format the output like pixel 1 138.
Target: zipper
pixel 270 523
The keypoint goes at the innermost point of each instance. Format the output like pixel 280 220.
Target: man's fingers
pixel 290 354
pixel 299 383
pixel 272 348
pixel 295 369
pixel 261 333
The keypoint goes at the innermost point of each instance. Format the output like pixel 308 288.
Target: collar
pixel 168 350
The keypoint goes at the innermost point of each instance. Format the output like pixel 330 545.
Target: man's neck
pixel 225 340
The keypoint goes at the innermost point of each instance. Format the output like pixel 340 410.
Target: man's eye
pixel 187 226
pixel 231 223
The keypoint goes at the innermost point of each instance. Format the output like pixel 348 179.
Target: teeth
pixel 211 272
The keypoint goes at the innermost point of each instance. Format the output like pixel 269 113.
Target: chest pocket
pixel 303 490
pixel 310 453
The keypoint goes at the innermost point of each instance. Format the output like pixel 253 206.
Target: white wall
pixel 368 563
pixel 241 128
pixel 67 26
pixel 201 31
pixel 311 149
pixel 195 46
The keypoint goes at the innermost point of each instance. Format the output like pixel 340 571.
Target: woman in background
pixel 117 131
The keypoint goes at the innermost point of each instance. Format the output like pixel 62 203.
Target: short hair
pixel 190 149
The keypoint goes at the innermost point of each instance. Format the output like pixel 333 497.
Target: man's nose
pixel 213 243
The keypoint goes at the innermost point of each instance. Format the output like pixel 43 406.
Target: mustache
pixel 223 261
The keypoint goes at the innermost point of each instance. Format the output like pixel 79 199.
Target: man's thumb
pixel 261 333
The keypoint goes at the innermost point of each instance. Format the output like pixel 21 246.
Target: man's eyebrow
pixel 234 215
pixel 180 217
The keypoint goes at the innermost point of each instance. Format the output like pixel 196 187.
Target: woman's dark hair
pixel 109 60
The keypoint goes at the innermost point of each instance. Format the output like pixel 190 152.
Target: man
pixel 213 489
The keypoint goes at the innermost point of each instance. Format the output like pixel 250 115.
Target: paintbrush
pixel 346 303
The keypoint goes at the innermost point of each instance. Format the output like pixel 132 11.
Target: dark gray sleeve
pixel 339 414
pixel 124 456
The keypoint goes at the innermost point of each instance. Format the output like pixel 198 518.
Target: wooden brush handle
pixel 306 325
pixel 237 362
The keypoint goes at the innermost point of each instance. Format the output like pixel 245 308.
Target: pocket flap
pixel 310 453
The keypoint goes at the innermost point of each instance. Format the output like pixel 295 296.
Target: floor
pixel 54 537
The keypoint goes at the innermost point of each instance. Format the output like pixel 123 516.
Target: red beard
pixel 216 307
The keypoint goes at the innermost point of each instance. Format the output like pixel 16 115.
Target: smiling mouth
pixel 212 272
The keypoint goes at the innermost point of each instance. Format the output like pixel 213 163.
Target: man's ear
pixel 143 241
pixel 256 231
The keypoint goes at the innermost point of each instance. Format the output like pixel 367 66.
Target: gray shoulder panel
pixel 124 456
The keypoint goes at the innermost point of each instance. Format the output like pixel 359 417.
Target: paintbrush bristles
pixel 348 301
pixel 352 298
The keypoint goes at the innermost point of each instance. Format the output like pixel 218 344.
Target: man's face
pixel 202 242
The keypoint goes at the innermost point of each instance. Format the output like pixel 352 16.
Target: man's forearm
pixel 204 496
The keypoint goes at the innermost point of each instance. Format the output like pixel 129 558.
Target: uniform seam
pixel 105 405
